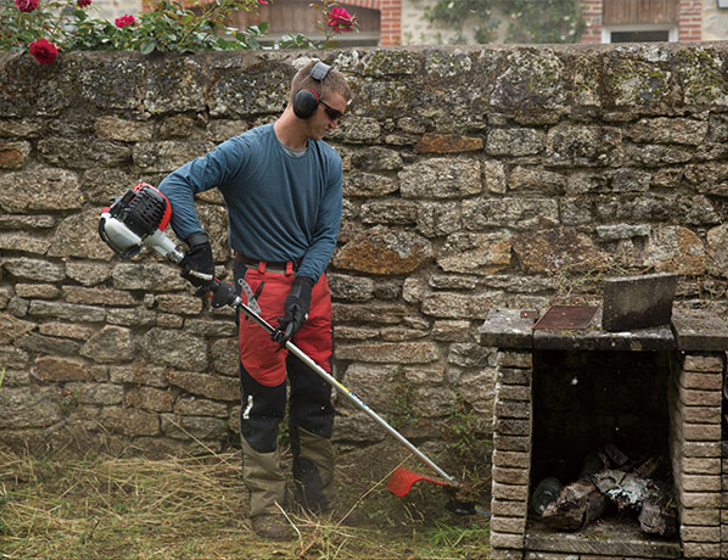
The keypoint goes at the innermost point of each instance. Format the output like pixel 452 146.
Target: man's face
pixel 327 114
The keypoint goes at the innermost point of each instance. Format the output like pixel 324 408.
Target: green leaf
pixel 147 47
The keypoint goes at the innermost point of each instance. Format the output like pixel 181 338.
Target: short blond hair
pixel 334 81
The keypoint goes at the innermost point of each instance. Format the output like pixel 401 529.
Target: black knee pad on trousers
pixel 311 406
pixel 262 409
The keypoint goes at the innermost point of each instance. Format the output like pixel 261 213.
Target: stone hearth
pixel 559 392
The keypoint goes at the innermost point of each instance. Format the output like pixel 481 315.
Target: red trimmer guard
pixel 401 481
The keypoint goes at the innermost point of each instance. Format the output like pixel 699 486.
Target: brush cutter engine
pixel 136 220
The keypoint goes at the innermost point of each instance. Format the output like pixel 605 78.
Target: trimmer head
pixel 402 480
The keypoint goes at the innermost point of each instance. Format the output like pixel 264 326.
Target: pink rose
pixel 341 20
pixel 84 3
pixel 26 5
pixel 43 51
pixel 123 21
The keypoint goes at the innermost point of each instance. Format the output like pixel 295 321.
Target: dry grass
pixel 192 508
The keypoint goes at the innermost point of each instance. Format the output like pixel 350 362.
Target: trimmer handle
pixel 223 294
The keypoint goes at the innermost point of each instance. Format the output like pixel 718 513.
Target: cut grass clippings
pixel 190 508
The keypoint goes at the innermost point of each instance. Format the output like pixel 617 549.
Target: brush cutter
pixel 138 220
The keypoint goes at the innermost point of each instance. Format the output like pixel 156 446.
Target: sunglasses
pixel 333 114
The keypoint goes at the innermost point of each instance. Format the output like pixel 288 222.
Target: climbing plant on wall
pixel 527 21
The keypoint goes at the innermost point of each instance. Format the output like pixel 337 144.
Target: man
pixel 283 189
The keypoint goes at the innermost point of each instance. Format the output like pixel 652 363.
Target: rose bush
pixel 335 19
pixel 26 5
pixel 124 21
pixel 340 20
pixel 44 27
pixel 43 51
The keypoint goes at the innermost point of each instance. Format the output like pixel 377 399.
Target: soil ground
pixel 113 508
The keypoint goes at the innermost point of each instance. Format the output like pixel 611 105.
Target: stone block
pixel 506 554
pixel 701 432
pixel 103 394
pixel 712 381
pixel 512 427
pixel 701 414
pixel 448 144
pixel 509 492
pixel 512 409
pixel 637 302
pixel 514 359
pixel 511 443
pixel 701 500
pixel 700 330
pixel 693 397
pixel 513 392
pixel 507 475
pixel 52 368
pixel 510 459
pixel 191 427
pixel 705 466
pixel 709 449
pixel 701 549
pixel 507 508
pixel 515 525
pixel 130 422
pixel 700 533
pixel 700 517
pixel 149 398
pixel 505 540
pixel 513 376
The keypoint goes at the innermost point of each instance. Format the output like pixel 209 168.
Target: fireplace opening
pixel 601 418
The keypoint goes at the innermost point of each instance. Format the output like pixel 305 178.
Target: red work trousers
pixel 263 358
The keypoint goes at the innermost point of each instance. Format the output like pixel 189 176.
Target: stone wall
pixel 474 178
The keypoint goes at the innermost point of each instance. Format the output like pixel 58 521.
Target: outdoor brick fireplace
pixel 652 393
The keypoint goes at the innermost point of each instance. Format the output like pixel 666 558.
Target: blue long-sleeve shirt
pixel 280 207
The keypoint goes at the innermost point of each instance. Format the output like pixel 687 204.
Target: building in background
pixel 112 9
pixel 403 22
pixel 606 21
pixel 618 21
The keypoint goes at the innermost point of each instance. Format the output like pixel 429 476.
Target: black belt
pixel 271 266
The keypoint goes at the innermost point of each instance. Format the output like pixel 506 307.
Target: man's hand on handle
pixel 295 310
pixel 198 260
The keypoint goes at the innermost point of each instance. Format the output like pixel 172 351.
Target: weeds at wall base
pixel 195 507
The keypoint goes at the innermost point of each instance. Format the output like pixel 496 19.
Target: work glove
pixel 295 310
pixel 198 259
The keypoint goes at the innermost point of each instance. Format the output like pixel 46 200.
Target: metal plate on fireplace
pixel 566 317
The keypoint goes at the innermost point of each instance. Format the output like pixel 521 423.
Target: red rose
pixel 43 51
pixel 341 20
pixel 123 21
pixel 84 3
pixel 26 5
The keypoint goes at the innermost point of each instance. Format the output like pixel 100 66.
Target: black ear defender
pixel 306 101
